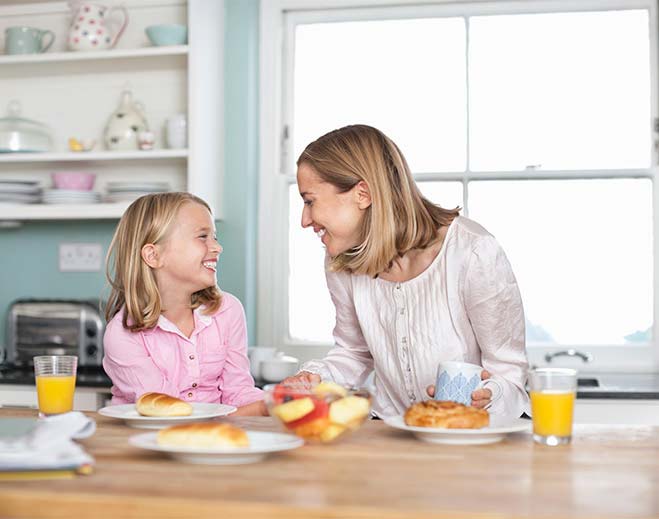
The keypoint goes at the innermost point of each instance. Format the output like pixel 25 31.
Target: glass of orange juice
pixel 553 391
pixel 56 381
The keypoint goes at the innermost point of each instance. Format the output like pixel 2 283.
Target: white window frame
pixel 278 21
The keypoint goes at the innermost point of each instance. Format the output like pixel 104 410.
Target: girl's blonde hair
pixel 399 218
pixel 132 282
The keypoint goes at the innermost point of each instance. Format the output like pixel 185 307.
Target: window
pixel 537 122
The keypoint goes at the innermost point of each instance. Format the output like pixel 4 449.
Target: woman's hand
pixel 479 398
pixel 303 379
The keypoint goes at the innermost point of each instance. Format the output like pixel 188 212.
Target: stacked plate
pixel 70 196
pixel 129 191
pixel 19 192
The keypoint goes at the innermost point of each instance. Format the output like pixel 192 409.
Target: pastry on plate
pixel 158 404
pixel 203 435
pixel 446 415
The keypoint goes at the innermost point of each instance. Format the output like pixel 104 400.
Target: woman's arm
pixel 350 361
pixel 494 307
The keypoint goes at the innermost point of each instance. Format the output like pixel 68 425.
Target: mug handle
pixel 495 394
pixel 123 23
pixel 42 36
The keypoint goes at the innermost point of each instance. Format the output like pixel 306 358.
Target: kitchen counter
pixel 379 472
pixel 620 386
pixel 85 376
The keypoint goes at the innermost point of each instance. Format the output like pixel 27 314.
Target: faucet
pixel 586 357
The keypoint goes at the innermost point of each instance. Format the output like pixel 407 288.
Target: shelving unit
pixel 74 93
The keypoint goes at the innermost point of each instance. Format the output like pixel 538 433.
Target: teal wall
pixel 29 254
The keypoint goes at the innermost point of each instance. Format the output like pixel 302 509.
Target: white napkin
pixel 49 444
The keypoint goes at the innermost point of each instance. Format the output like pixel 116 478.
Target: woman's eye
pixel 307 203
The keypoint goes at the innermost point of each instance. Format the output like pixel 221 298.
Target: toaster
pixel 54 327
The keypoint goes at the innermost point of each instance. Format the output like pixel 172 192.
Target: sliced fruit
pixel 293 410
pixel 283 394
pixel 312 430
pixel 331 432
pixel 349 410
pixel 320 410
pixel 330 388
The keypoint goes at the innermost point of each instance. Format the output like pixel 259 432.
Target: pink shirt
pixel 210 366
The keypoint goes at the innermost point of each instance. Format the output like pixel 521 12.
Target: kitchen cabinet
pixel 617 411
pixel 75 93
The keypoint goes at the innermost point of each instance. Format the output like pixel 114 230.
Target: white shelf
pixel 57 57
pixel 62 211
pixel 93 156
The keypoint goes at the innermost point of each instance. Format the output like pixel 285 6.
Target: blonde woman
pixel 413 284
pixel 170 329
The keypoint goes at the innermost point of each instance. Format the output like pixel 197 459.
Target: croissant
pixel 203 435
pixel 158 404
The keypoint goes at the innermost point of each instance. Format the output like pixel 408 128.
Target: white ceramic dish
pixel 261 444
pixel 497 430
pixel 200 413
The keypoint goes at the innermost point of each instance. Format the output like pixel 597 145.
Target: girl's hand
pixel 304 379
pixel 479 398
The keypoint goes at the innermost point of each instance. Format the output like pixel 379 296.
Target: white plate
pixel 260 445
pixel 495 432
pixel 200 413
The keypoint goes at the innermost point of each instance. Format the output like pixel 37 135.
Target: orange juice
pixel 552 412
pixel 55 393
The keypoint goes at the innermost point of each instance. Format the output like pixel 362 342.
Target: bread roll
pixel 447 415
pixel 157 404
pixel 203 435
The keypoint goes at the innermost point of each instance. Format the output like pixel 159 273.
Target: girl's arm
pixel 494 307
pixel 235 381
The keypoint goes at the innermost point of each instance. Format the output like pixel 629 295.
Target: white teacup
pixel 456 381
pixel 258 354
pixel 279 368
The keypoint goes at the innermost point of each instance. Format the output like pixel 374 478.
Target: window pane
pixel 405 77
pixel 446 194
pixel 311 313
pixel 564 91
pixel 581 251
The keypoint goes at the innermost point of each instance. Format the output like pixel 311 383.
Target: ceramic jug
pixel 93 26
pixel 124 125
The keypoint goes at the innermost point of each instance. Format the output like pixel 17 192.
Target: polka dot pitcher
pixel 94 26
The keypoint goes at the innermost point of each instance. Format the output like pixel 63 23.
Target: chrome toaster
pixel 54 327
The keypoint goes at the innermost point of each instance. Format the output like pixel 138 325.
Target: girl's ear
pixel 150 255
pixel 363 194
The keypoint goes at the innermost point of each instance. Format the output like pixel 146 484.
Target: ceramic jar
pixel 125 124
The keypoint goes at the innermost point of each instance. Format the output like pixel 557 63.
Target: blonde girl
pixel 170 329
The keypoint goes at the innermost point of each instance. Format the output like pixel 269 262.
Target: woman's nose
pixel 306 219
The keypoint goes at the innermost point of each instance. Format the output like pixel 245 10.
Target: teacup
pixel 27 40
pixel 456 381
pixel 256 355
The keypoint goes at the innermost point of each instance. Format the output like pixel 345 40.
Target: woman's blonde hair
pixel 132 282
pixel 399 218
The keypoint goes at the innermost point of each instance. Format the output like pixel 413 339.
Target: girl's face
pixel 335 217
pixel 187 260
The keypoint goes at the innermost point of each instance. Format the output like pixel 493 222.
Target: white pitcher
pixel 125 124
pixel 93 26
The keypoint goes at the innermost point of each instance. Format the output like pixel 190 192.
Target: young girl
pixel 413 284
pixel 170 329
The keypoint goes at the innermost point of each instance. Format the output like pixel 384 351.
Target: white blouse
pixel 465 306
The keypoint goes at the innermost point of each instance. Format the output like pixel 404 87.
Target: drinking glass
pixel 553 391
pixel 56 380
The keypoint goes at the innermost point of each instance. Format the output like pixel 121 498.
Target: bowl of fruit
pixel 321 413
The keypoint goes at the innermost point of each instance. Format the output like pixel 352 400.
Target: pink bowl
pixel 75 180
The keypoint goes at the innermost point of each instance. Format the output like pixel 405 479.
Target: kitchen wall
pixel 29 254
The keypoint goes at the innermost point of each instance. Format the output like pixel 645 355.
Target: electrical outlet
pixel 80 257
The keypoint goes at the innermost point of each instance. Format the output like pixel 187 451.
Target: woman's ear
pixel 150 255
pixel 363 194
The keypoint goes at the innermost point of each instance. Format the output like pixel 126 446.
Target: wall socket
pixel 80 257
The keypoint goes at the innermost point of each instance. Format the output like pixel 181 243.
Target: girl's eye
pixel 203 236
pixel 307 203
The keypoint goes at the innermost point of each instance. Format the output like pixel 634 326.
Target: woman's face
pixel 335 217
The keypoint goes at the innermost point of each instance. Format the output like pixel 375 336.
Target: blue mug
pixel 27 40
pixel 456 381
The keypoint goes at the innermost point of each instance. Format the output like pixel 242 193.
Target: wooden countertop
pixel 378 472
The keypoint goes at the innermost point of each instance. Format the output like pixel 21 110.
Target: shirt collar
pixel 201 321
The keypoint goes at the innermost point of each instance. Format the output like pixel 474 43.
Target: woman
pixel 413 284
